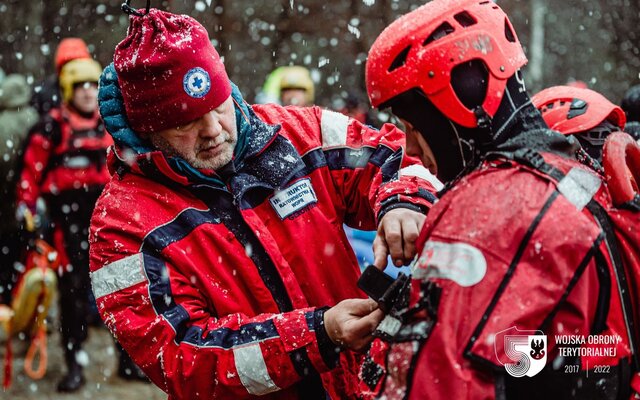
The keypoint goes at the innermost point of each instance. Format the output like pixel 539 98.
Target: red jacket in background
pixel 65 152
pixel 216 290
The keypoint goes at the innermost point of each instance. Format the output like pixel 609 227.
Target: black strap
pixel 49 128
pixel 507 277
pixel 633 204
pixel 603 295
pixel 97 157
pixel 535 160
pixel 623 287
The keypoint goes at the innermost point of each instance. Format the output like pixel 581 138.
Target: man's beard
pixel 191 158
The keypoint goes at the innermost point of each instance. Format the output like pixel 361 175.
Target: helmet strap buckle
pixel 482 117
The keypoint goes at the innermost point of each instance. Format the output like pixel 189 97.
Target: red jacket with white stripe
pixel 217 290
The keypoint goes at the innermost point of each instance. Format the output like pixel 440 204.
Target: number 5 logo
pixel 526 351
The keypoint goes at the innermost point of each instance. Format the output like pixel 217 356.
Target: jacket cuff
pixel 392 206
pixel 329 351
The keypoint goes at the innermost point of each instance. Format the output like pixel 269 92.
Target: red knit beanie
pixel 169 72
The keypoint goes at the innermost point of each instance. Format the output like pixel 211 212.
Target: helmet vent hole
pixel 443 30
pixel 508 31
pixel 400 59
pixel 465 19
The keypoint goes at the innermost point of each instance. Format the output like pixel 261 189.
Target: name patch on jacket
pixel 293 198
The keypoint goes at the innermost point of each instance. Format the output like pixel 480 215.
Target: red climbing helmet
pixel 571 110
pixel 420 49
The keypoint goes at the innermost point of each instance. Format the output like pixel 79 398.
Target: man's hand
pixel 397 234
pixel 351 322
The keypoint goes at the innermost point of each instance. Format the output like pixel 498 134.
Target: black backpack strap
pixel 633 204
pixel 535 160
pixel 48 127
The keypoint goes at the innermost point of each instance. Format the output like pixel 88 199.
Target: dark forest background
pixel 595 41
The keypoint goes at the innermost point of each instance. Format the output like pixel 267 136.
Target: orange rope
pixel 8 361
pixel 39 343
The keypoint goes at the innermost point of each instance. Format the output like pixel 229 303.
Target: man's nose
pixel 210 125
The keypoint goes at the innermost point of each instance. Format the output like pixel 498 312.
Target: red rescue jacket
pixel 514 246
pixel 216 291
pixel 64 152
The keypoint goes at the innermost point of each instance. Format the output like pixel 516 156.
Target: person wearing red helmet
pixel 514 254
pixel 581 112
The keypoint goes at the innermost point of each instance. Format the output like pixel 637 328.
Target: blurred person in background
pixel 46 94
pixel 581 112
pixel 288 85
pixel 351 105
pixel 296 87
pixel 631 106
pixel 16 119
pixel 65 164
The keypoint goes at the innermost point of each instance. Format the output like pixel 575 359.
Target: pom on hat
pixel 70 49
pixel 169 72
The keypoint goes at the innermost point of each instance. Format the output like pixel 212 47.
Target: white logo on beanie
pixel 196 82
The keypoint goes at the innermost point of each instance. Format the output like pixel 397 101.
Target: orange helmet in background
pixel 70 49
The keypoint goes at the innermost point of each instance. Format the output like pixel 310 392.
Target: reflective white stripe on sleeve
pixel 459 262
pixel 252 370
pixel 579 186
pixel 118 275
pixel 334 129
pixel 422 172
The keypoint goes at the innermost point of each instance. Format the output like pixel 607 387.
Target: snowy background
pixel 595 41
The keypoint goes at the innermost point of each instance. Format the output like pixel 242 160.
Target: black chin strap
pixel 482 117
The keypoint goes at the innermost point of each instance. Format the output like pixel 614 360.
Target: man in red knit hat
pixel 218 256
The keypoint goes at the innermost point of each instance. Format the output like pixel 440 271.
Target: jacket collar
pixel 528 130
